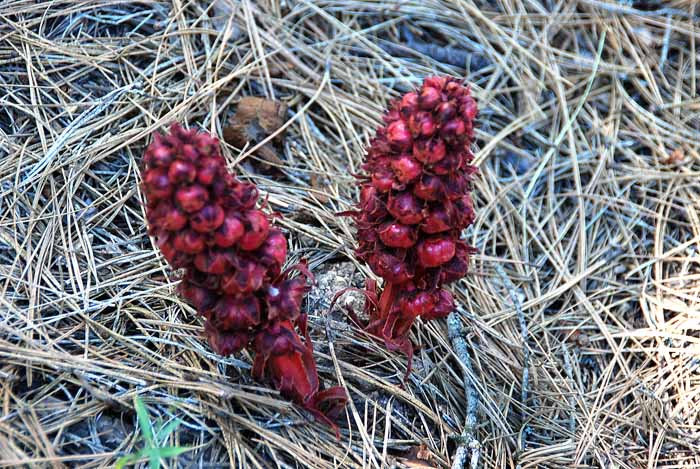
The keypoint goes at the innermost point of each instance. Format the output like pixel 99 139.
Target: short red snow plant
pixel 206 222
pixel 414 204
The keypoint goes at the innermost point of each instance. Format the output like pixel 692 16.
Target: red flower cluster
pixel 414 204
pixel 206 222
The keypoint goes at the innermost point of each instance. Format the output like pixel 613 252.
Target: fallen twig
pixel 450 55
pixel 468 442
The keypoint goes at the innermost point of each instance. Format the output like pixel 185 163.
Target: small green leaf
pixel 144 421
pixel 155 455
pixel 165 431
pixel 172 451
pixel 124 460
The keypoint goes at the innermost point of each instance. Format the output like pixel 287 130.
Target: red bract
pixel 206 223
pixel 281 355
pixel 414 204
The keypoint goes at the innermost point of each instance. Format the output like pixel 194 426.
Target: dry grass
pixel 587 198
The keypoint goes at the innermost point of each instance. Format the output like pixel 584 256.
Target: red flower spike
pixel 206 223
pixel 414 205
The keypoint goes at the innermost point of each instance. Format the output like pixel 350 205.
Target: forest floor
pixel 580 314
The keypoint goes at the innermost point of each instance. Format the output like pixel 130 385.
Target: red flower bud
pixel 189 153
pixel 175 257
pixel 458 266
pixel 160 156
pixel 169 217
pixel 434 252
pixel 257 227
pixel 229 232
pixel 383 181
pixel 406 168
pixel 246 195
pixel 225 343
pixel 157 184
pixel 435 82
pixel 209 168
pixel 390 267
pixel 422 124
pixel 391 116
pixel 465 211
pixel 409 103
pixel 444 305
pixel 418 303
pixel 182 172
pixel 429 151
pixel 436 220
pixel 469 109
pixel 284 299
pixel 370 202
pixel 396 235
pixel 398 135
pixel 191 198
pixel 247 277
pixel 446 111
pixel 189 242
pixel 209 218
pixel 453 129
pixel 429 98
pixel 275 247
pixel 236 313
pixel 211 262
pixel 405 208
pixel 201 298
pixel 429 188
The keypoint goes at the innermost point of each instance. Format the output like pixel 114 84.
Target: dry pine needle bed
pixel 579 318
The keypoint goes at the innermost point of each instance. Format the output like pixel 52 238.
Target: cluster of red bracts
pixel 206 222
pixel 414 204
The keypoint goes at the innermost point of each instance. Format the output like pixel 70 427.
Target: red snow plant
pixel 414 204
pixel 206 222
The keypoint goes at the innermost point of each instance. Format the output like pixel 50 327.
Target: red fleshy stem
pixel 414 204
pixel 205 222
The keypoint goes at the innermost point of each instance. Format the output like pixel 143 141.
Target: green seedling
pixel 153 450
